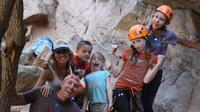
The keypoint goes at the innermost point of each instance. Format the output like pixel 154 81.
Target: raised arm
pixel 116 68
pixel 152 71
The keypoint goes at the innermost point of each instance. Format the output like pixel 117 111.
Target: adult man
pixel 59 101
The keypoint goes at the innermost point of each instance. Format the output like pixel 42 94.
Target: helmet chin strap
pixel 144 45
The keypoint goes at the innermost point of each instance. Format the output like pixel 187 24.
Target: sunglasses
pixel 62 51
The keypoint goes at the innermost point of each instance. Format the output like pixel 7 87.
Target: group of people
pixel 138 72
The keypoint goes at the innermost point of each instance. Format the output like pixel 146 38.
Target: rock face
pixel 106 22
pixel 178 91
pixel 27 77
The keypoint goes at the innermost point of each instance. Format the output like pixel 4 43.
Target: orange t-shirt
pixel 133 72
pixel 84 65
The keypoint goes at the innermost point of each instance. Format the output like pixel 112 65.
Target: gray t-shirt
pixel 48 104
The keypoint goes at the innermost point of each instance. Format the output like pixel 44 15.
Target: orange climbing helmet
pixel 166 10
pixel 137 31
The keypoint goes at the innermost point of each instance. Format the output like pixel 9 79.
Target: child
pixel 82 66
pixel 160 37
pixel 136 66
pixel 82 56
pixel 57 69
pixel 99 91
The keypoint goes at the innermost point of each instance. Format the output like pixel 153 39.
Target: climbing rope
pixel 107 51
pixel 99 44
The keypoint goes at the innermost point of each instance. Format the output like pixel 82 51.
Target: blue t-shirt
pixel 159 43
pixel 96 86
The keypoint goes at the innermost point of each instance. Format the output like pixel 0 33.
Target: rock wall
pixel 178 91
pixel 106 22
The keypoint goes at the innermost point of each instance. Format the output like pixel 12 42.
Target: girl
pixel 160 37
pixel 99 91
pixel 136 66
pixel 57 69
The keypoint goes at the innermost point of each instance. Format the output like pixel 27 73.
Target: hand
pixel 83 110
pixel 114 49
pixel 80 73
pixel 83 83
pixel 161 58
pixel 44 65
pixel 109 109
pixel 46 90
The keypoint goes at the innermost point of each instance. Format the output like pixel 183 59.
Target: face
pixel 97 62
pixel 62 56
pixel 69 87
pixel 139 44
pixel 84 52
pixel 159 20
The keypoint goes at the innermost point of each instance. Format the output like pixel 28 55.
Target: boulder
pixel 106 22
pixel 180 82
pixel 27 77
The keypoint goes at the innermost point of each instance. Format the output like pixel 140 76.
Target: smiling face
pixel 69 87
pixel 62 56
pixel 84 52
pixel 97 61
pixel 159 20
pixel 139 44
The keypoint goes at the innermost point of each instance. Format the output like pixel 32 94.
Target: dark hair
pixel 148 55
pixel 161 32
pixel 83 42
pixel 148 44
pixel 68 62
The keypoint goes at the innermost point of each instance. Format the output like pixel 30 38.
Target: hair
pixel 166 22
pixel 70 53
pixel 161 32
pixel 147 54
pixel 83 42
pixel 72 76
pixel 68 63
pixel 99 54
pixel 147 46
pixel 77 78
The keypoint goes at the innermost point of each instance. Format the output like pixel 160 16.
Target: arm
pixel 152 71
pixel 45 88
pixel 188 43
pixel 85 102
pixel 17 99
pixel 42 78
pixel 109 92
pixel 116 68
